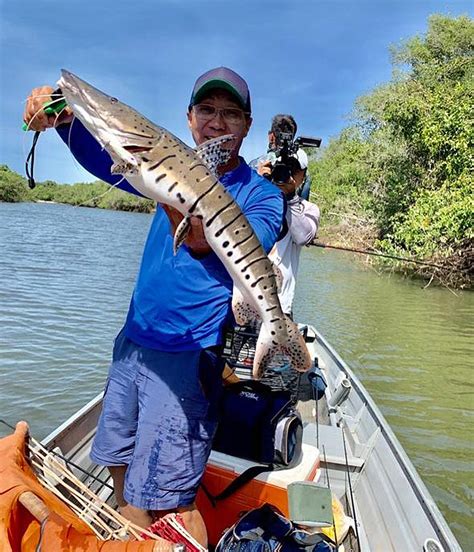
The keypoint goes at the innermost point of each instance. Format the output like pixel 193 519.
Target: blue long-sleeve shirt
pixel 179 302
pixel 91 155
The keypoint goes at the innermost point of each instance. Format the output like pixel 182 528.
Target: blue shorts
pixel 159 417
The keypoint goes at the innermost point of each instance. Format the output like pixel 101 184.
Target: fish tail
pixel 293 347
pixel 296 349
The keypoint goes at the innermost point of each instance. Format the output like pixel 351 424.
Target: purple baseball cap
pixel 222 77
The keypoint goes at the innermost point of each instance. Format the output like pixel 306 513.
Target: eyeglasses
pixel 231 115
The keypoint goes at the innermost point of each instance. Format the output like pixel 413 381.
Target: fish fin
pixel 244 312
pixel 124 167
pixel 213 154
pixel 181 233
pixel 294 349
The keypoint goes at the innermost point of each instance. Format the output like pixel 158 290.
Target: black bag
pixel 259 424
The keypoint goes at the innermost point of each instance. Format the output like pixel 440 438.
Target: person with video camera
pixel 286 165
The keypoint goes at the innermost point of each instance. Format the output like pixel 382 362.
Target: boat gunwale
pixel 422 492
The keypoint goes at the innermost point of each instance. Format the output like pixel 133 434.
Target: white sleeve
pixel 303 220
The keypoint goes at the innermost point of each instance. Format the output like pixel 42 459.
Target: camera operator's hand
pixel 264 168
pixel 289 187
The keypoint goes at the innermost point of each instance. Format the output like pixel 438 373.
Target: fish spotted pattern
pixel 165 169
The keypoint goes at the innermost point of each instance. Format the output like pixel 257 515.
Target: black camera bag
pixel 259 424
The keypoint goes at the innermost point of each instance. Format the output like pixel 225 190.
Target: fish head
pixel 121 130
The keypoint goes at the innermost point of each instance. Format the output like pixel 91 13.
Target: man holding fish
pixel 160 404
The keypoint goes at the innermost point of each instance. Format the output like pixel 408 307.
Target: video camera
pixel 283 154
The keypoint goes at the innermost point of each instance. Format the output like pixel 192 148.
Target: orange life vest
pixel 63 531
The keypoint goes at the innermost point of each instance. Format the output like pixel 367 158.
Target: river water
pixel 66 277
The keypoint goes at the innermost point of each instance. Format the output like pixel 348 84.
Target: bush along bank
pixel 14 187
pixel 399 179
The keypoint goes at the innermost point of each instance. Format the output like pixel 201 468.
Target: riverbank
pixel 346 227
pixel 14 188
pixel 359 238
pixel 405 161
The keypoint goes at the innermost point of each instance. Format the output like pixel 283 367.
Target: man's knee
pixel 136 515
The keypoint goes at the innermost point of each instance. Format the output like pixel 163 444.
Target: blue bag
pixel 265 529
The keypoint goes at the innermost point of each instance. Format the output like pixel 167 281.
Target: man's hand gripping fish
pixel 164 169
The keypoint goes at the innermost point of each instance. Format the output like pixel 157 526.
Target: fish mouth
pixel 136 149
pixel 98 111
pixel 69 82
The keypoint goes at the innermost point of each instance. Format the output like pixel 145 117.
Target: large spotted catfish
pixel 163 168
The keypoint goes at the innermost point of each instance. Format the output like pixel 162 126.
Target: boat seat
pixel 330 437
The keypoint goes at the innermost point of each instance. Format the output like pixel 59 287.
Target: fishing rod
pixel 374 253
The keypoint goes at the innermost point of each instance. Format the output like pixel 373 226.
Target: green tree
pixel 412 140
pixel 13 187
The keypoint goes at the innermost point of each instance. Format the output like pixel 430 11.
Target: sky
pixel 310 58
